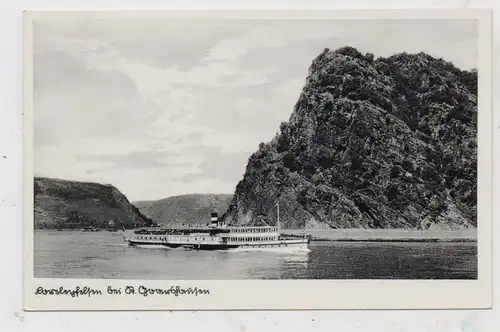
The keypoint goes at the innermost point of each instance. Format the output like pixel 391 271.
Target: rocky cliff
pixel 185 209
pixel 371 143
pixel 71 204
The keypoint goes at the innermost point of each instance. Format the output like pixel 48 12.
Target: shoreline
pixel 388 235
pixel 468 235
pixel 465 240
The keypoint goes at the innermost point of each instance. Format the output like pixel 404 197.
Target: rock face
pixel 371 143
pixel 71 204
pixel 185 209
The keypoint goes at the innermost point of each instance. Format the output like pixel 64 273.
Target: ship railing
pixel 294 236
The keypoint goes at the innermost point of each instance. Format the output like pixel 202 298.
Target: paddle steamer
pixel 218 236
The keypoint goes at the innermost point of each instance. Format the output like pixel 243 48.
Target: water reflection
pixel 104 255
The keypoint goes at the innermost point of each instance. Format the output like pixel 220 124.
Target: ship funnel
pixel 214 218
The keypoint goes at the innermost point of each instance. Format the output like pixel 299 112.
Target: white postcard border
pixel 273 294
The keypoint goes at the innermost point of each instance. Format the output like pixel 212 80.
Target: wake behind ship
pixel 219 236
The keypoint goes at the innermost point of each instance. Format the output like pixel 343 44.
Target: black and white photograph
pixel 192 148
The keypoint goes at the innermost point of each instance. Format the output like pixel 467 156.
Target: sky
pixel 160 108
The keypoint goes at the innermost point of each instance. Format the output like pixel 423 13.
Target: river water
pixel 74 254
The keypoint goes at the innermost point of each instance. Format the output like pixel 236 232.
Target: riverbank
pixel 388 235
pixel 370 235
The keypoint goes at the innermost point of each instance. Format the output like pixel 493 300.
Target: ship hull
pixel 281 246
pixel 285 246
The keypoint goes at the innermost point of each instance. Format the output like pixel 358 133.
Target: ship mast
pixel 278 209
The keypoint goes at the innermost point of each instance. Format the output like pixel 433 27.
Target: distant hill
pixel 72 204
pixel 142 204
pixel 371 143
pixel 191 209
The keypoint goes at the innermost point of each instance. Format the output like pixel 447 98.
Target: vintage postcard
pixel 257 160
